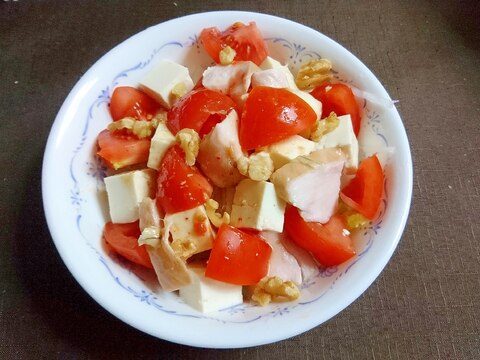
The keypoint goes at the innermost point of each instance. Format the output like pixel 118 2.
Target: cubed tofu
pixel 208 295
pixel 275 78
pixel 344 138
pixel 159 144
pixel 286 150
pixel 163 78
pixel 184 228
pixel 271 63
pixel 125 192
pixel 257 206
pixel 310 100
pixel 233 80
pixel 312 183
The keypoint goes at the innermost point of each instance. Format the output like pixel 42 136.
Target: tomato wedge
pixel 364 192
pixel 246 40
pixel 119 150
pixel 180 186
pixel 128 101
pixel 338 98
pixel 123 238
pixel 270 115
pixel 328 243
pixel 199 110
pixel 238 257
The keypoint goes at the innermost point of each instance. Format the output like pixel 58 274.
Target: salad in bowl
pixel 243 181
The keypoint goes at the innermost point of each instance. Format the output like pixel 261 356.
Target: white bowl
pixel 74 202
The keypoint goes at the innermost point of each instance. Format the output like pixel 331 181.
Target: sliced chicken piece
pixel 282 263
pixel 312 183
pixel 219 152
pixel 148 214
pixel 275 78
pixel 171 270
pixel 233 80
pixel 307 263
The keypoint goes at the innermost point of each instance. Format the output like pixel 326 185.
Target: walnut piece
pixel 140 128
pixel 258 166
pixel 274 289
pixel 226 55
pixel 215 218
pixel 189 141
pixel 313 74
pixel 179 90
pixel 324 126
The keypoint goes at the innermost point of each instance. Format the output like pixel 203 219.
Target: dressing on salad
pixel 239 187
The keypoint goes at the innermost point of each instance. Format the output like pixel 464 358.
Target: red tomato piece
pixel 119 150
pixel 246 40
pixel 328 243
pixel 338 98
pixel 128 101
pixel 238 257
pixel 364 192
pixel 180 186
pixel 123 238
pixel 270 115
pixel 199 110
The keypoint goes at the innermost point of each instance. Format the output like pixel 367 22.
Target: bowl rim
pixel 93 292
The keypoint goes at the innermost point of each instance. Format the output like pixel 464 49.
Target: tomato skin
pixel 128 101
pixel 364 192
pixel 119 150
pixel 180 186
pixel 123 238
pixel 246 40
pixel 238 257
pixel 199 110
pixel 272 114
pixel 338 98
pixel 326 242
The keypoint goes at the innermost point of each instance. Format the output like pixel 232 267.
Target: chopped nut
pixel 260 166
pixel 274 289
pixel 179 90
pixel 189 141
pixel 257 167
pixel 313 74
pixel 354 220
pixel 215 218
pixel 324 126
pixel 226 55
pixel 140 128
pixel 242 165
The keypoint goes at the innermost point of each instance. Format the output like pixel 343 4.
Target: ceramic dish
pixel 75 205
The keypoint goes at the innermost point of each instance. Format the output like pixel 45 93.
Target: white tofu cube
pixel 310 100
pixel 343 138
pixel 257 206
pixel 275 78
pixel 271 63
pixel 163 78
pixel 312 183
pixel 125 192
pixel 286 150
pixel 161 141
pixel 208 295
pixel 185 229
